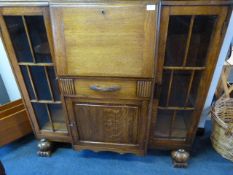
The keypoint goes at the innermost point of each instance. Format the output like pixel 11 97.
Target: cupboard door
pixel 108 124
pixel 189 44
pixel 28 43
pixel 105 40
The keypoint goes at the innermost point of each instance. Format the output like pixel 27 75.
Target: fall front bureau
pixel 119 76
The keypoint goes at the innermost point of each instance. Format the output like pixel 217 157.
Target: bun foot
pixel 180 158
pixel 45 148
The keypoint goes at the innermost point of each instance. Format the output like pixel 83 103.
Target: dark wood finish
pixel 14 122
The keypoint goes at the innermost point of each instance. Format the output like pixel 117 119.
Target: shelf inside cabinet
pixel 172 123
pixel 58 127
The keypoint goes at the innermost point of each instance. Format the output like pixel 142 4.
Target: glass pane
pixel 201 35
pixel 183 90
pixel 179 88
pixel 42 116
pixel 162 127
pixel 176 40
pixel 195 87
pixel 172 124
pixel 40 82
pixel 19 38
pixel 54 83
pixel 27 82
pixel 58 117
pixel 38 38
pixel 181 124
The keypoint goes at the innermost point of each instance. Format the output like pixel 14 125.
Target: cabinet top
pixel 164 2
pixel 196 2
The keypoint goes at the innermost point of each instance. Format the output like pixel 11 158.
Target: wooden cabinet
pixel 119 75
pixel 106 52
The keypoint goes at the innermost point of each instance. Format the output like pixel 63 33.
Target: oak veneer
pixel 119 76
pixel 104 40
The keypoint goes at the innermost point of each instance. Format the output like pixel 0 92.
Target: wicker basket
pixel 222 131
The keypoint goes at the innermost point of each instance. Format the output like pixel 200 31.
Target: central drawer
pixel 106 88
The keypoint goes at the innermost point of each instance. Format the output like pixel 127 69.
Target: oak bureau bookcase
pixel 117 75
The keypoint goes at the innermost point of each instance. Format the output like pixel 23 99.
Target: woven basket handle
pixel 227 92
pixel 228 129
pixel 219 120
pixel 224 76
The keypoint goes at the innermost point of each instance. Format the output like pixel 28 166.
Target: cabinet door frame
pixel 139 148
pixel 29 11
pixel 212 56
pixel 60 48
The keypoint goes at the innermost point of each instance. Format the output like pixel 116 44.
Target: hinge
pixel 157 91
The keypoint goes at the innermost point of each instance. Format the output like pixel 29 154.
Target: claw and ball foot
pixel 45 148
pixel 180 158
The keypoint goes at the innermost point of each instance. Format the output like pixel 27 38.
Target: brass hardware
pixel 105 89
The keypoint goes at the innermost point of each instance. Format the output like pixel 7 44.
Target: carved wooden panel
pixel 107 123
pixel 144 88
pixel 67 86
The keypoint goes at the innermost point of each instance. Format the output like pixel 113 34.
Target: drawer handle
pixel 105 89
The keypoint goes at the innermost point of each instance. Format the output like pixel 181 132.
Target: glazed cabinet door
pixel 105 39
pixel 189 45
pixel 27 38
pixel 110 125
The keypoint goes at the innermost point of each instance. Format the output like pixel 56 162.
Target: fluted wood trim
pixel 144 88
pixel 67 86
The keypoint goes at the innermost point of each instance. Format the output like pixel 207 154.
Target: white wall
pixel 7 75
pixel 222 56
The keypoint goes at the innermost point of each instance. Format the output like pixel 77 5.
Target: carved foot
pixel 180 158
pixel 45 148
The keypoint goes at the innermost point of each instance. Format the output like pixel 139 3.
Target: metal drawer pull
pixel 105 89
